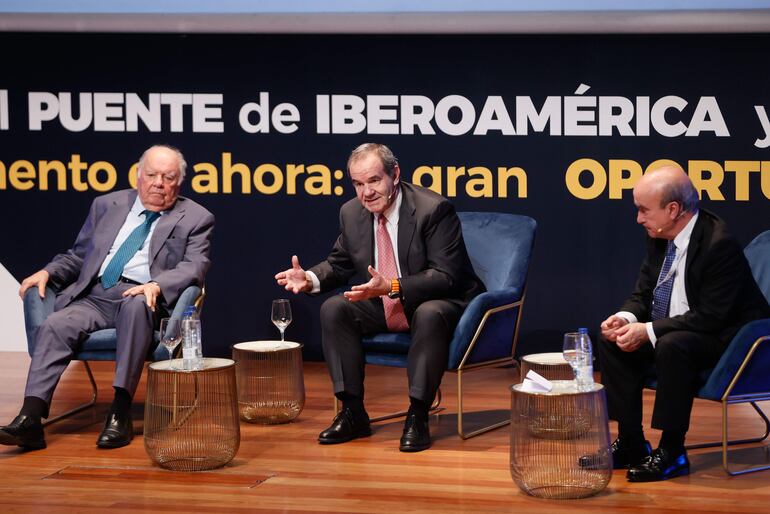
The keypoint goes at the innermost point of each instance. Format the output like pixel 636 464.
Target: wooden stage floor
pixel 282 468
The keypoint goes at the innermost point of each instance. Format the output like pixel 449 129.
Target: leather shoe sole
pixel 414 446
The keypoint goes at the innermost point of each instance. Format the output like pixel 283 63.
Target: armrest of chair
pixel 187 298
pixel 496 338
pixel 754 378
pixel 36 310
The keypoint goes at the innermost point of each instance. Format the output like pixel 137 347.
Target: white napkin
pixel 535 383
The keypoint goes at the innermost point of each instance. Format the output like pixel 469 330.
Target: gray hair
pixel 179 159
pixel 387 158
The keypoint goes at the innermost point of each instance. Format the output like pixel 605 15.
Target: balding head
pixel 666 200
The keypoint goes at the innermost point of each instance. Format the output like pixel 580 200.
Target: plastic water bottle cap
pixel 583 330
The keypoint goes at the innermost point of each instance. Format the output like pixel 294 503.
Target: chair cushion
pixel 758 254
pixel 755 377
pixel 397 343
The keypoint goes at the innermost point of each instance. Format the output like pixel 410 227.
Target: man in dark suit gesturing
pixel 408 242
pixel 694 292
pixel 135 254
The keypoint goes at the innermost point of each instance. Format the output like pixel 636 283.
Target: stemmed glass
pixel 281 314
pixel 170 334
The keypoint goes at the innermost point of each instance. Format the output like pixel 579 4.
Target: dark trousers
pixel 677 360
pixel 62 332
pixel 344 323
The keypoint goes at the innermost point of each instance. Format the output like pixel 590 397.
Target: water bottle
pixel 584 372
pixel 192 348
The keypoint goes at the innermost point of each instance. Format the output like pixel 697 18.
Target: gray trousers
pixel 62 332
pixel 344 323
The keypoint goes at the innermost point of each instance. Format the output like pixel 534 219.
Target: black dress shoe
pixel 623 455
pixel 416 437
pixel 23 431
pixel 346 426
pixel 661 465
pixel 117 432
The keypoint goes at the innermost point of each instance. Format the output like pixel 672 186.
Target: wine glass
pixel 281 314
pixel 170 334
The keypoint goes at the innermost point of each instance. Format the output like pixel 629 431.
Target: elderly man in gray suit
pixel 135 254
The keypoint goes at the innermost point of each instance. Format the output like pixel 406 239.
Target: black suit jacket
pixel 431 251
pixel 721 291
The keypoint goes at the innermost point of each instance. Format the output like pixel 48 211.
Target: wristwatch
pixel 395 289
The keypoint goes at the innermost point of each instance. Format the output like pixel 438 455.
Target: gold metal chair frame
pixel 462 368
pixel 94 390
pixel 728 400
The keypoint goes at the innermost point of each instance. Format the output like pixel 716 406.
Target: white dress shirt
pixel 679 303
pixel 391 214
pixel 138 267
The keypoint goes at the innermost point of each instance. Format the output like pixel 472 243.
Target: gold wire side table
pixel 549 365
pixel 550 432
pixel 271 384
pixel 191 417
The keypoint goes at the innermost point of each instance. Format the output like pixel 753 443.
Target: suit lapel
pixel 406 225
pixel 165 225
pixel 693 249
pixel 365 224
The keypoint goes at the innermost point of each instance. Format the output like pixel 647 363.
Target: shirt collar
pixel 138 207
pixel 682 239
pixel 391 214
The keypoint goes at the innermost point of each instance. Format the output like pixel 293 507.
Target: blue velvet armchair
pixel 99 345
pixel 742 374
pixel 500 247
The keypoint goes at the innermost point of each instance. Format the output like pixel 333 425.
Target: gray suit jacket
pixel 179 248
pixel 431 250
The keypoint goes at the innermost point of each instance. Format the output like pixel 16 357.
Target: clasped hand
pixel 628 336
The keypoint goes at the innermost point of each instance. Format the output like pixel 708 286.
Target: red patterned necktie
pixel 386 264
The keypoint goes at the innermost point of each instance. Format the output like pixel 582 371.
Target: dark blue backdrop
pixel 587 251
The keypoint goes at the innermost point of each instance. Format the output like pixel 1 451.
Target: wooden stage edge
pixel 283 468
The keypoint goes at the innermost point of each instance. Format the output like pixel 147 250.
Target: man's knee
pixel 334 310
pixel 435 315
pixel 135 307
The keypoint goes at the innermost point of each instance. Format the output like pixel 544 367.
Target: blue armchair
pixel 741 375
pixel 500 246
pixel 101 344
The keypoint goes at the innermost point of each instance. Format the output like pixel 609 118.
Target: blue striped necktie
pixel 661 295
pixel 127 250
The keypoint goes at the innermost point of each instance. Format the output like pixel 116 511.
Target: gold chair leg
pixel 725 443
pixel 79 408
pixel 460 426
pixel 736 441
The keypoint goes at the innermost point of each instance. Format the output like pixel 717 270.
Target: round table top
pixel 266 346
pixel 176 365
pixel 560 387
pixel 547 359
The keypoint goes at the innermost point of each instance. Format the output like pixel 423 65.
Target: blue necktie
pixel 127 250
pixel 661 295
